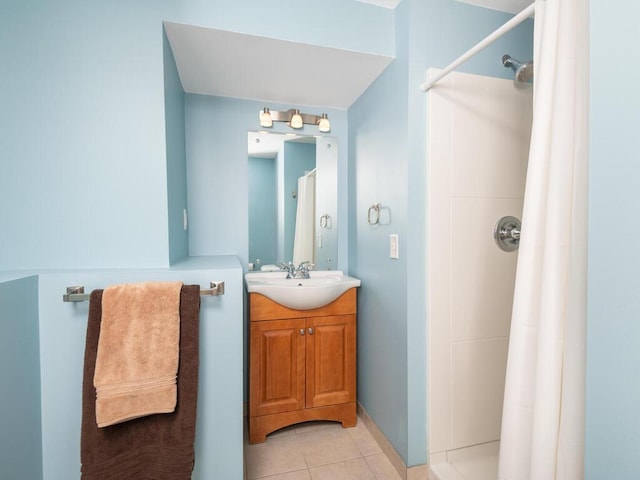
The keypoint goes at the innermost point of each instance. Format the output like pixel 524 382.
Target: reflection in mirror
pixel 292 200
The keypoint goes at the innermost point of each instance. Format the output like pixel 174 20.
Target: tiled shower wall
pixel 478 139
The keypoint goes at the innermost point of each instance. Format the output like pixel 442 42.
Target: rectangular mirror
pixel 293 201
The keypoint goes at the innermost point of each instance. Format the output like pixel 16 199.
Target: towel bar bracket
pixel 76 292
pixel 217 288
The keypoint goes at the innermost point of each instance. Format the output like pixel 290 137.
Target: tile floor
pixel 319 451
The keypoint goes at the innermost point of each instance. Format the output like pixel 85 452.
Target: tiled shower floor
pixel 479 462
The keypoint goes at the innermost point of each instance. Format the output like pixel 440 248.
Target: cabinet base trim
pixel 260 426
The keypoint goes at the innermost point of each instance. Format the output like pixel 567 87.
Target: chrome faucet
pixel 289 267
pixel 303 270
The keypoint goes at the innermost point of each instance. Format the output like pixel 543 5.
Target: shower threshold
pixel 479 462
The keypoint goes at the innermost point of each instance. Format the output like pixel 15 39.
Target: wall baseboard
pixel 418 472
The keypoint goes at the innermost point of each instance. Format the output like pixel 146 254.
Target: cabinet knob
pixel 302 331
pixel 310 331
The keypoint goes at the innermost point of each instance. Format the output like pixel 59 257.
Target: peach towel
pixel 138 351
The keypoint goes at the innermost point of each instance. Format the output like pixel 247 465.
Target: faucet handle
pixel 288 267
pixel 304 265
pixel 303 270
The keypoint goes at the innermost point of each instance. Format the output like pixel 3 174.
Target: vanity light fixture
pixel 294 118
pixel 265 118
pixel 323 124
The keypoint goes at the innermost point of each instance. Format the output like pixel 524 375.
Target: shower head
pixel 524 71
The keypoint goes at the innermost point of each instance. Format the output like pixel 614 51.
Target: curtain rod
pixel 507 27
pixel 76 293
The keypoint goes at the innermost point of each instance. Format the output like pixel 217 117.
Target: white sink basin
pixel 301 293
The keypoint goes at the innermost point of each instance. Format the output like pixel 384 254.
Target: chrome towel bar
pixel 76 293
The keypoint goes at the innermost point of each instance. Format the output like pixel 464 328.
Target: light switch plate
pixel 393 246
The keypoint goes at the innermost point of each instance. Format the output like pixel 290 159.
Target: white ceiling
pixel 229 64
pixel 511 6
pixel 382 3
pixel 267 145
pixel 264 144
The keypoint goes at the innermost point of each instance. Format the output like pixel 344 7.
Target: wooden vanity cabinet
pixel 302 364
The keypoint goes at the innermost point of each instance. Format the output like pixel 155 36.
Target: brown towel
pixel 159 447
pixel 137 359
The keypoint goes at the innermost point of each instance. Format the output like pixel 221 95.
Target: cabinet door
pixel 277 364
pixel 331 360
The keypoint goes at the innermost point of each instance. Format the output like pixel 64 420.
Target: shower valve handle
pixel 506 233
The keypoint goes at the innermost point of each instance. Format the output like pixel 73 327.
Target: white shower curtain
pixel 305 215
pixel 543 415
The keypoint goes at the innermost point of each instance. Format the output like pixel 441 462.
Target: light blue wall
pixel 298 159
pixel 378 124
pixel 62 337
pixel 82 128
pixel 613 353
pixel 92 175
pixel 82 135
pixel 176 157
pixel 217 171
pixel 389 166
pixel 21 432
pixel 262 211
pixel 84 172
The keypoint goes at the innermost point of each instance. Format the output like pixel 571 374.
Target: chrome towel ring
pixel 373 215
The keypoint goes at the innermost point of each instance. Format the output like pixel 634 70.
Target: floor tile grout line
pixel 361 456
pixel 281 473
pixel 297 442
